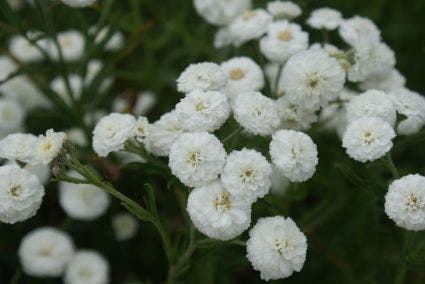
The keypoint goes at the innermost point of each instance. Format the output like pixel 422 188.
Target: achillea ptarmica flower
pixel 203 111
pixel 409 104
pixel 294 154
pixel 410 126
pixel 87 267
pixel 162 133
pixel 219 12
pixel 48 147
pixel 11 116
pixel 21 194
pixel 283 40
pixel 141 129
pixel 247 174
pixel 390 81
pixel 42 172
pixel 325 18
pixel 78 3
pixel 23 50
pixel 71 43
pixel 359 29
pixel 312 79
pixel 256 113
pixel 276 247
pixel 250 25
pixel 206 76
pixel 45 252
pixel 111 133
pixel 197 158
pixel 368 138
pixel 293 116
pixel 125 226
pixel 243 75
pixel 217 213
pixel 82 201
pixel 372 103
pixel 18 147
pixel 283 9
pixel 405 202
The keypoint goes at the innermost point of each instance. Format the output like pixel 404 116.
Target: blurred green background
pixel 341 209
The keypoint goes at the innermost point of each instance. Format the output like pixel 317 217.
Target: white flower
pixel 21 194
pixel 276 247
pixel 78 3
pixel 82 201
pixel 410 126
pixel 219 12
pixel 358 29
pixel 372 103
pixel 223 37
pixel 206 76
pixel 283 9
pixel 18 147
pixel 247 174
pixel 283 40
pixel 250 25
pixel 114 40
pixel 71 43
pixel 11 116
pixel 371 59
pixel 243 75
pixel 197 158
pixel 141 128
pixel 389 81
pixel 325 18
pixel 42 172
pixel 256 113
pixel 295 154
pixel 45 251
pixel 312 79
pixel 7 67
pixel 16 4
pixel 162 133
pixel 203 111
pixel 48 147
pixel 409 104
pixel 405 202
pixel 87 267
pixel 125 226
pixel 23 50
pixel 59 85
pixel 77 136
pixel 368 138
pixel 94 67
pixel 217 213
pixel 145 102
pixel 293 116
pixel 111 133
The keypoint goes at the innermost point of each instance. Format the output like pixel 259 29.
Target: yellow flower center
pixel 248 15
pixel 223 202
pixel 194 158
pixel 237 74
pixel 414 202
pixel 285 35
pixel 15 190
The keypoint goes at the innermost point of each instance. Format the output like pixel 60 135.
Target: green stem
pixel 235 132
pixel 139 150
pixel 277 80
pixel 391 166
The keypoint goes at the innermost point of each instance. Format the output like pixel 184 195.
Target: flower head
pixel 87 267
pixel 125 226
pixel 252 24
pixel 325 18
pixel 218 12
pixel 48 147
pixel 206 76
pixel 283 9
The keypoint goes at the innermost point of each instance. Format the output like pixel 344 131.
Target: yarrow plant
pixel 238 152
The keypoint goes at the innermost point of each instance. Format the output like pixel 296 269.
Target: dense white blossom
pixel 146 100
pixel 217 213
pixel 87 267
pixel 221 12
pixel 203 111
pixel 48 147
pixel 295 154
pixel 293 116
pixel 12 116
pixel 405 202
pixel 24 50
pixel 389 81
pixel 23 91
pixel 21 194
pixel 71 43
pixel 42 172
pixel 312 79
pixel 256 113
pixel 78 3
pixel 125 226
pixel 141 129
pixel 247 174
pixel 283 9
pixel 325 18
pixel 111 133
pixel 283 40
pixel 196 158
pixel 18 147
pixel 410 126
pixel 7 67
pixel 45 251
pixel 409 104
pixel 223 37
pixel 359 30
pixel 368 138
pixel 276 247
pixel 206 76
pixel 250 25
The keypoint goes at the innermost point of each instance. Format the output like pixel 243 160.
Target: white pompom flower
pixel 243 75
pixel 250 25
pixel 87 267
pixel 78 3
pixel 12 116
pixel 283 9
pixel 111 133
pixel 405 202
pixel 206 76
pixel 217 213
pixel 325 19
pixel 293 116
pixel 359 29
pixel 247 174
pixel 276 247
pixel 72 45
pixel 409 104
pixel 82 201
pixel 141 129
pixel 312 79
pixel 203 111
pixel 48 147
pixel 410 126
pixel 368 138
pixel 197 158
pixel 372 103
pixel 18 147
pixel 294 154
pixel 24 50
pixel 218 12
pixel 21 194
pixel 256 113
pixel 162 133
pixel 45 252
pixel 390 81
pixel 125 226
pixel 283 40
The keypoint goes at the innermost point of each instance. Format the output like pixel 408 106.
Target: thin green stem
pixel 235 132
pixel 391 166
pixel 277 80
